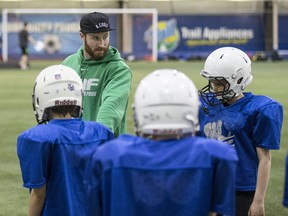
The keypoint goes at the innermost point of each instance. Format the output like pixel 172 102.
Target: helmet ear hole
pixel 239 80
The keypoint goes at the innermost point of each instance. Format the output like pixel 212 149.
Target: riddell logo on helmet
pixel 65 102
pixel 167 131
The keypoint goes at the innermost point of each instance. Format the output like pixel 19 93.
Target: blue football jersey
pixel 253 121
pixel 57 154
pixel 186 177
pixel 285 198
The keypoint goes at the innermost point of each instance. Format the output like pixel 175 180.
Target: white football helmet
pixel 56 85
pixel 230 64
pixel 166 102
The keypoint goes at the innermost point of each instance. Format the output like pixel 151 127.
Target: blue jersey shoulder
pixel 134 151
pixel 261 101
pixel 62 131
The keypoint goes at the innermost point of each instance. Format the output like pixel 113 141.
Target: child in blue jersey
pixel 285 198
pixel 165 169
pixel 251 123
pixel 53 156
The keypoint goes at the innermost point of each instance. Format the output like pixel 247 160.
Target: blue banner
pixel 196 36
pixel 58 33
pixel 179 37
pixel 283 32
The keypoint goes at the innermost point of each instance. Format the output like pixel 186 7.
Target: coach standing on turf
pixel 105 75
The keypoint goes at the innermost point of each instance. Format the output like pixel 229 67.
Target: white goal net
pixel 57 32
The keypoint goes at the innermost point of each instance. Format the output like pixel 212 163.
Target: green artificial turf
pixel 270 78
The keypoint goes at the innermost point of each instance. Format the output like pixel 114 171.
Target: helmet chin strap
pixel 230 95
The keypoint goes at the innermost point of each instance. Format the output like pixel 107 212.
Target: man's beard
pixel 97 53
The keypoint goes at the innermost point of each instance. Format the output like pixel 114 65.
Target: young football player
pixel 53 155
pixel 250 123
pixel 165 169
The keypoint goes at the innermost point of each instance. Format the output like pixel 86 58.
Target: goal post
pixel 136 31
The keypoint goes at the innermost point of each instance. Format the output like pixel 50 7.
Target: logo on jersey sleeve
pixel 90 87
pixel 213 130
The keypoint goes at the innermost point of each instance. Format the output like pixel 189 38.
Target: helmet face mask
pixel 166 104
pixel 224 95
pixel 227 64
pixel 56 86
